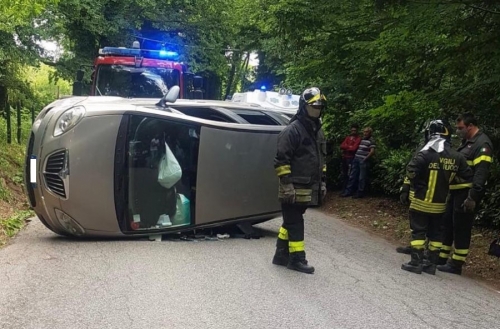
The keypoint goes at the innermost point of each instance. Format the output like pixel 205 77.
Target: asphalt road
pixel 52 282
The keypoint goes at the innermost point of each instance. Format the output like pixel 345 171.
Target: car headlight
pixel 69 119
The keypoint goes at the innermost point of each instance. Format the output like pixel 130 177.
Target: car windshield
pixel 133 82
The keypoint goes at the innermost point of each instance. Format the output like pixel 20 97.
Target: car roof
pixel 213 102
pixel 228 109
pixel 228 105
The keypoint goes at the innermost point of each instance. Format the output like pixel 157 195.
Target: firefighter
pixel 430 173
pixel 465 196
pixel 406 192
pixel 300 166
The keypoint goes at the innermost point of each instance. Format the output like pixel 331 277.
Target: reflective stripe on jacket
pixel 430 174
pixel 478 152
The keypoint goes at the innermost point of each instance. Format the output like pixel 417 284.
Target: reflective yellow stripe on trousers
pixel 295 246
pixel 283 233
pixel 460 254
pixel 418 244
pixel 434 245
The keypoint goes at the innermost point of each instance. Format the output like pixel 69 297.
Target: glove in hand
pixel 323 190
pixel 286 193
pixel 469 204
pixel 404 198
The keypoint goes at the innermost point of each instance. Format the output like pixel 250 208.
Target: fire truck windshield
pixel 134 82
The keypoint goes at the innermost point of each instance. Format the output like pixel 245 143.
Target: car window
pixel 281 118
pixel 256 117
pixel 203 113
pixel 161 164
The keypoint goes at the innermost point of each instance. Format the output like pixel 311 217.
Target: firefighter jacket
pixel 478 152
pixel 300 158
pixel 430 173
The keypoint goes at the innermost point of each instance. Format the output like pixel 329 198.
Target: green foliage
pixel 46 88
pixel 12 155
pixel 390 170
pixel 12 225
pixel 5 194
pixel 489 214
pixel 15 14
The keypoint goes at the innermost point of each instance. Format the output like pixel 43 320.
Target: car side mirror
pixel 170 97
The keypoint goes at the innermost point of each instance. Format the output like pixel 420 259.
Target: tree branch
pixel 457 3
pixel 484 9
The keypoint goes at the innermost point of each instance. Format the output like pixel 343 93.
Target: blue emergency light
pixel 147 53
pixel 263 88
pixel 168 54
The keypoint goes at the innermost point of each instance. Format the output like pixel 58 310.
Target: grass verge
pixel 10 226
pixel 14 209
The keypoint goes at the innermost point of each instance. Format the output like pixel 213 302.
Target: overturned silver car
pixel 110 166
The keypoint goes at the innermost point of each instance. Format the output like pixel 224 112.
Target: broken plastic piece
pixel 156 237
pixel 164 220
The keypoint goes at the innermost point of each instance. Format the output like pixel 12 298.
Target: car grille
pixel 53 167
pixel 27 171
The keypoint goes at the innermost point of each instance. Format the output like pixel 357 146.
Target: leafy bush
pixel 11 225
pixel 389 171
pixel 489 213
pixel 4 191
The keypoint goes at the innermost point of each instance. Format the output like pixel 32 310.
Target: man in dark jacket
pixel 300 166
pixel 349 147
pixel 465 196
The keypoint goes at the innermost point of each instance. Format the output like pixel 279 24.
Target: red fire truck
pixel 139 73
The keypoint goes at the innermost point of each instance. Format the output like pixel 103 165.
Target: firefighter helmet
pixel 313 101
pixel 439 128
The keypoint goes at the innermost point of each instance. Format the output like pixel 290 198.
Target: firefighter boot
pixel 281 255
pixel 415 264
pixel 299 263
pixel 441 261
pixel 429 263
pixel 452 266
pixel 404 250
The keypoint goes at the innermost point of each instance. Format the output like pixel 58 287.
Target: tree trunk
pixel 3 101
pixel 231 76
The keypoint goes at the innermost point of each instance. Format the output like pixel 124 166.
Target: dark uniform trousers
pixel 457 227
pixel 291 233
pixel 424 225
pixel 458 223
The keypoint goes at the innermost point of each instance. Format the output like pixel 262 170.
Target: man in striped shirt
pixel 360 165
